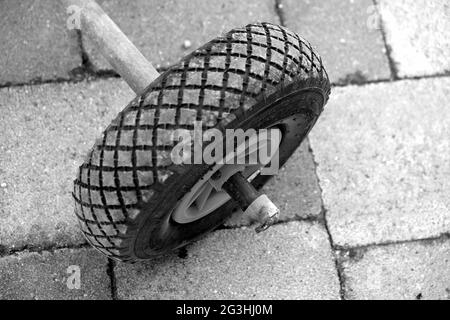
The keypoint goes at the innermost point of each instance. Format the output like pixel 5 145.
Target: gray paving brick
pixel 46 133
pixel 417 31
pixel 406 271
pixel 46 275
pixel 383 161
pixel 160 28
pixel 290 261
pixel 339 29
pixel 295 189
pixel 34 42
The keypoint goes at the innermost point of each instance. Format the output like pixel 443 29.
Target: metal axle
pixel 251 200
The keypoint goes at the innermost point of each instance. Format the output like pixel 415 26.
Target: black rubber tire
pixel 259 76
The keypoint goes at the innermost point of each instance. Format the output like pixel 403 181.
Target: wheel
pixel 132 201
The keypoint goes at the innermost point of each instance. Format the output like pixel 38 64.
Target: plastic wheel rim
pixel 204 199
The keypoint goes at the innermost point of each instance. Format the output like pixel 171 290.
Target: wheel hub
pixel 207 195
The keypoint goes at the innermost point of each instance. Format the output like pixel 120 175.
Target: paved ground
pixel 383 161
pixel 366 212
pixel 34 43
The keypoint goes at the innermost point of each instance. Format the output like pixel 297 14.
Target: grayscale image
pixel 253 151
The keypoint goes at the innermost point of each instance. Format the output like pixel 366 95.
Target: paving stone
pixel 340 30
pixel 406 271
pixel 383 161
pixel 165 31
pixel 289 261
pixel 47 131
pixel 417 31
pixel 295 190
pixel 53 275
pixel 35 42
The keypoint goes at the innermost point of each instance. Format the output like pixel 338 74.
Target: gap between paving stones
pixel 337 261
pixel 88 75
pixel 323 217
pixel 392 65
pixel 112 278
pixel 363 248
pixel 4 252
pixel 369 82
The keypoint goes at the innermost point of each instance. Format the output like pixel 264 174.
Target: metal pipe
pixel 251 201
